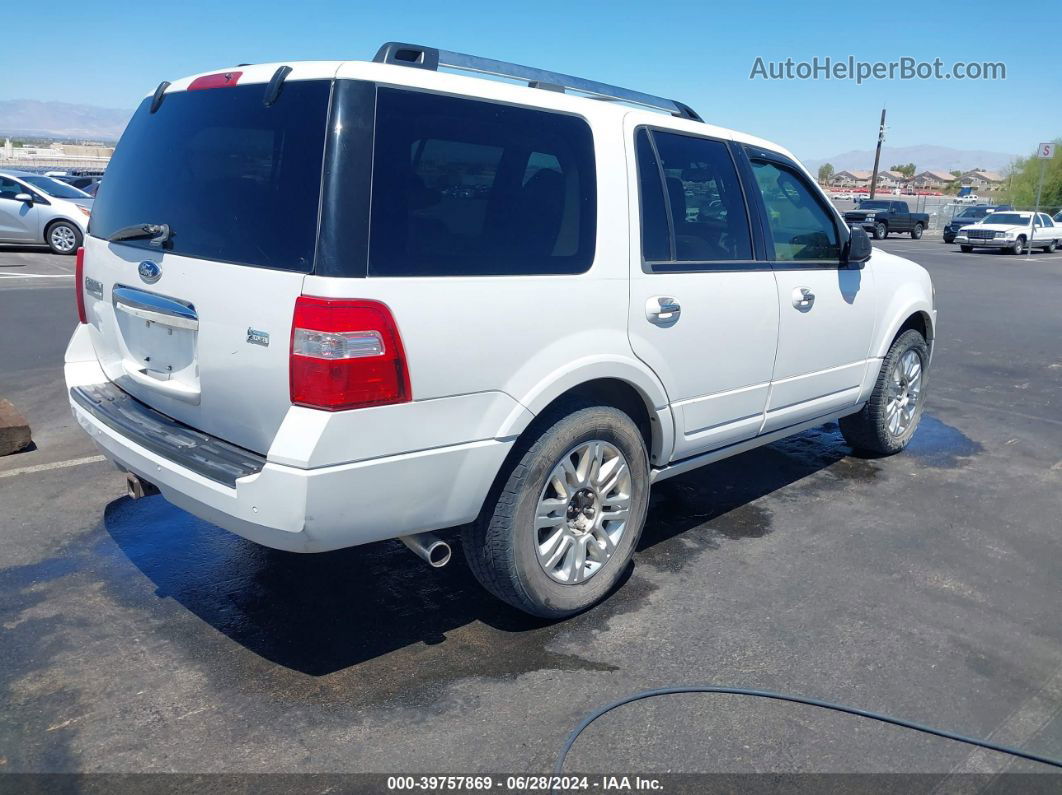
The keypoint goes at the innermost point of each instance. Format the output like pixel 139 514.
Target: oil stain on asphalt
pixel 373 624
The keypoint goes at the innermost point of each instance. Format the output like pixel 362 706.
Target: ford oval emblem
pixel 149 271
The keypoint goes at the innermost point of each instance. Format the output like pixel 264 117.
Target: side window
pixel 800 226
pixel 468 188
pixel 1046 219
pixel 702 194
pixel 9 189
pixel 656 236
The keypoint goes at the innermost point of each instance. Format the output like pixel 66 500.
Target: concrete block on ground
pixel 14 430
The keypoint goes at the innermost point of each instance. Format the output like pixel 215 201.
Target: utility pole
pixel 877 154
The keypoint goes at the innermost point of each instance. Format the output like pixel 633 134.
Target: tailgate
pixel 207 344
pixel 198 246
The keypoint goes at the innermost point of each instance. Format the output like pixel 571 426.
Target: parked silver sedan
pixel 36 209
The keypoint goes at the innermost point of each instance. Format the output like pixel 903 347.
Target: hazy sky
pixel 112 53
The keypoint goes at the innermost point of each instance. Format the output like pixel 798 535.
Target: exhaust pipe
pixel 429 547
pixel 138 487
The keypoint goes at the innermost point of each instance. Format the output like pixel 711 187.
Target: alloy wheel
pixel 905 391
pixel 583 511
pixel 63 238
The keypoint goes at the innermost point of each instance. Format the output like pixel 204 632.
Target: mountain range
pixel 925 157
pixel 31 118
pixel 28 117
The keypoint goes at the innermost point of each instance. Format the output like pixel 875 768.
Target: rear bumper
pixel 281 506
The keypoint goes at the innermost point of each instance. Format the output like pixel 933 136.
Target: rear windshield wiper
pixel 159 233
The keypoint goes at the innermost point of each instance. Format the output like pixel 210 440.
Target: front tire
pixel 562 523
pixel 888 420
pixel 880 231
pixel 965 249
pixel 63 237
pixel 916 233
pixel 1019 246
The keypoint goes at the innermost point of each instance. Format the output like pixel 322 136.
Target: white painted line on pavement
pixel 1020 726
pixel 73 462
pixel 38 275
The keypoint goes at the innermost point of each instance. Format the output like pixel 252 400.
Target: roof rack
pixel 420 57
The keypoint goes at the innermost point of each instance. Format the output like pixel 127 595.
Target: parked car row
pixel 38 209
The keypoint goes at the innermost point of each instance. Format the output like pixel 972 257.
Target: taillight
pixel 346 354
pixel 79 284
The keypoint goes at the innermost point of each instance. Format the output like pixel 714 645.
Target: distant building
pixel 850 179
pixel 891 179
pixel 983 180
pixel 932 180
pixel 92 156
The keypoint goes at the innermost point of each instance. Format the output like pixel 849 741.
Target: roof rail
pixel 420 57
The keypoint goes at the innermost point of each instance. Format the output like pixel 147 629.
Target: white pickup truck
pixel 330 303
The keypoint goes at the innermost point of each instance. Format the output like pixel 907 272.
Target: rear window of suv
pixel 235 180
pixel 462 187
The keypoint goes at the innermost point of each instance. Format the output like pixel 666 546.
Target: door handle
pixel 803 298
pixel 662 309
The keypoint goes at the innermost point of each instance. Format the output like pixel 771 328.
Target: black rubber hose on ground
pixel 811 702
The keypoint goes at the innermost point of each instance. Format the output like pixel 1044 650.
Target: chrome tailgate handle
pixel 155 308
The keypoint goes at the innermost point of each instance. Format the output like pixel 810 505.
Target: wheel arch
pixel 53 221
pixel 914 317
pixel 621 383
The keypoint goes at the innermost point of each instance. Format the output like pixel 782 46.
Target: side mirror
pixel 859 249
pixel 24 197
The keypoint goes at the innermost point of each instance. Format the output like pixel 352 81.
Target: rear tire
pixel 916 233
pixel 888 420
pixel 63 237
pixel 1050 247
pixel 549 491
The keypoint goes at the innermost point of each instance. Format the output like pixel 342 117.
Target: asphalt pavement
pixel 136 638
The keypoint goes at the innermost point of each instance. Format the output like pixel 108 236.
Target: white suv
pixel 326 304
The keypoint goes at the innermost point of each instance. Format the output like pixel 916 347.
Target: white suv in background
pixel 326 304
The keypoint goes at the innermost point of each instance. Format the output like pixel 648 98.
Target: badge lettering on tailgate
pixel 256 337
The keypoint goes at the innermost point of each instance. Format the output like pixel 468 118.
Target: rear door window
pixel 657 240
pixel 236 181
pixel 465 187
pixel 706 208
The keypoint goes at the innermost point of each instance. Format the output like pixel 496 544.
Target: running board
pixel 687 464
